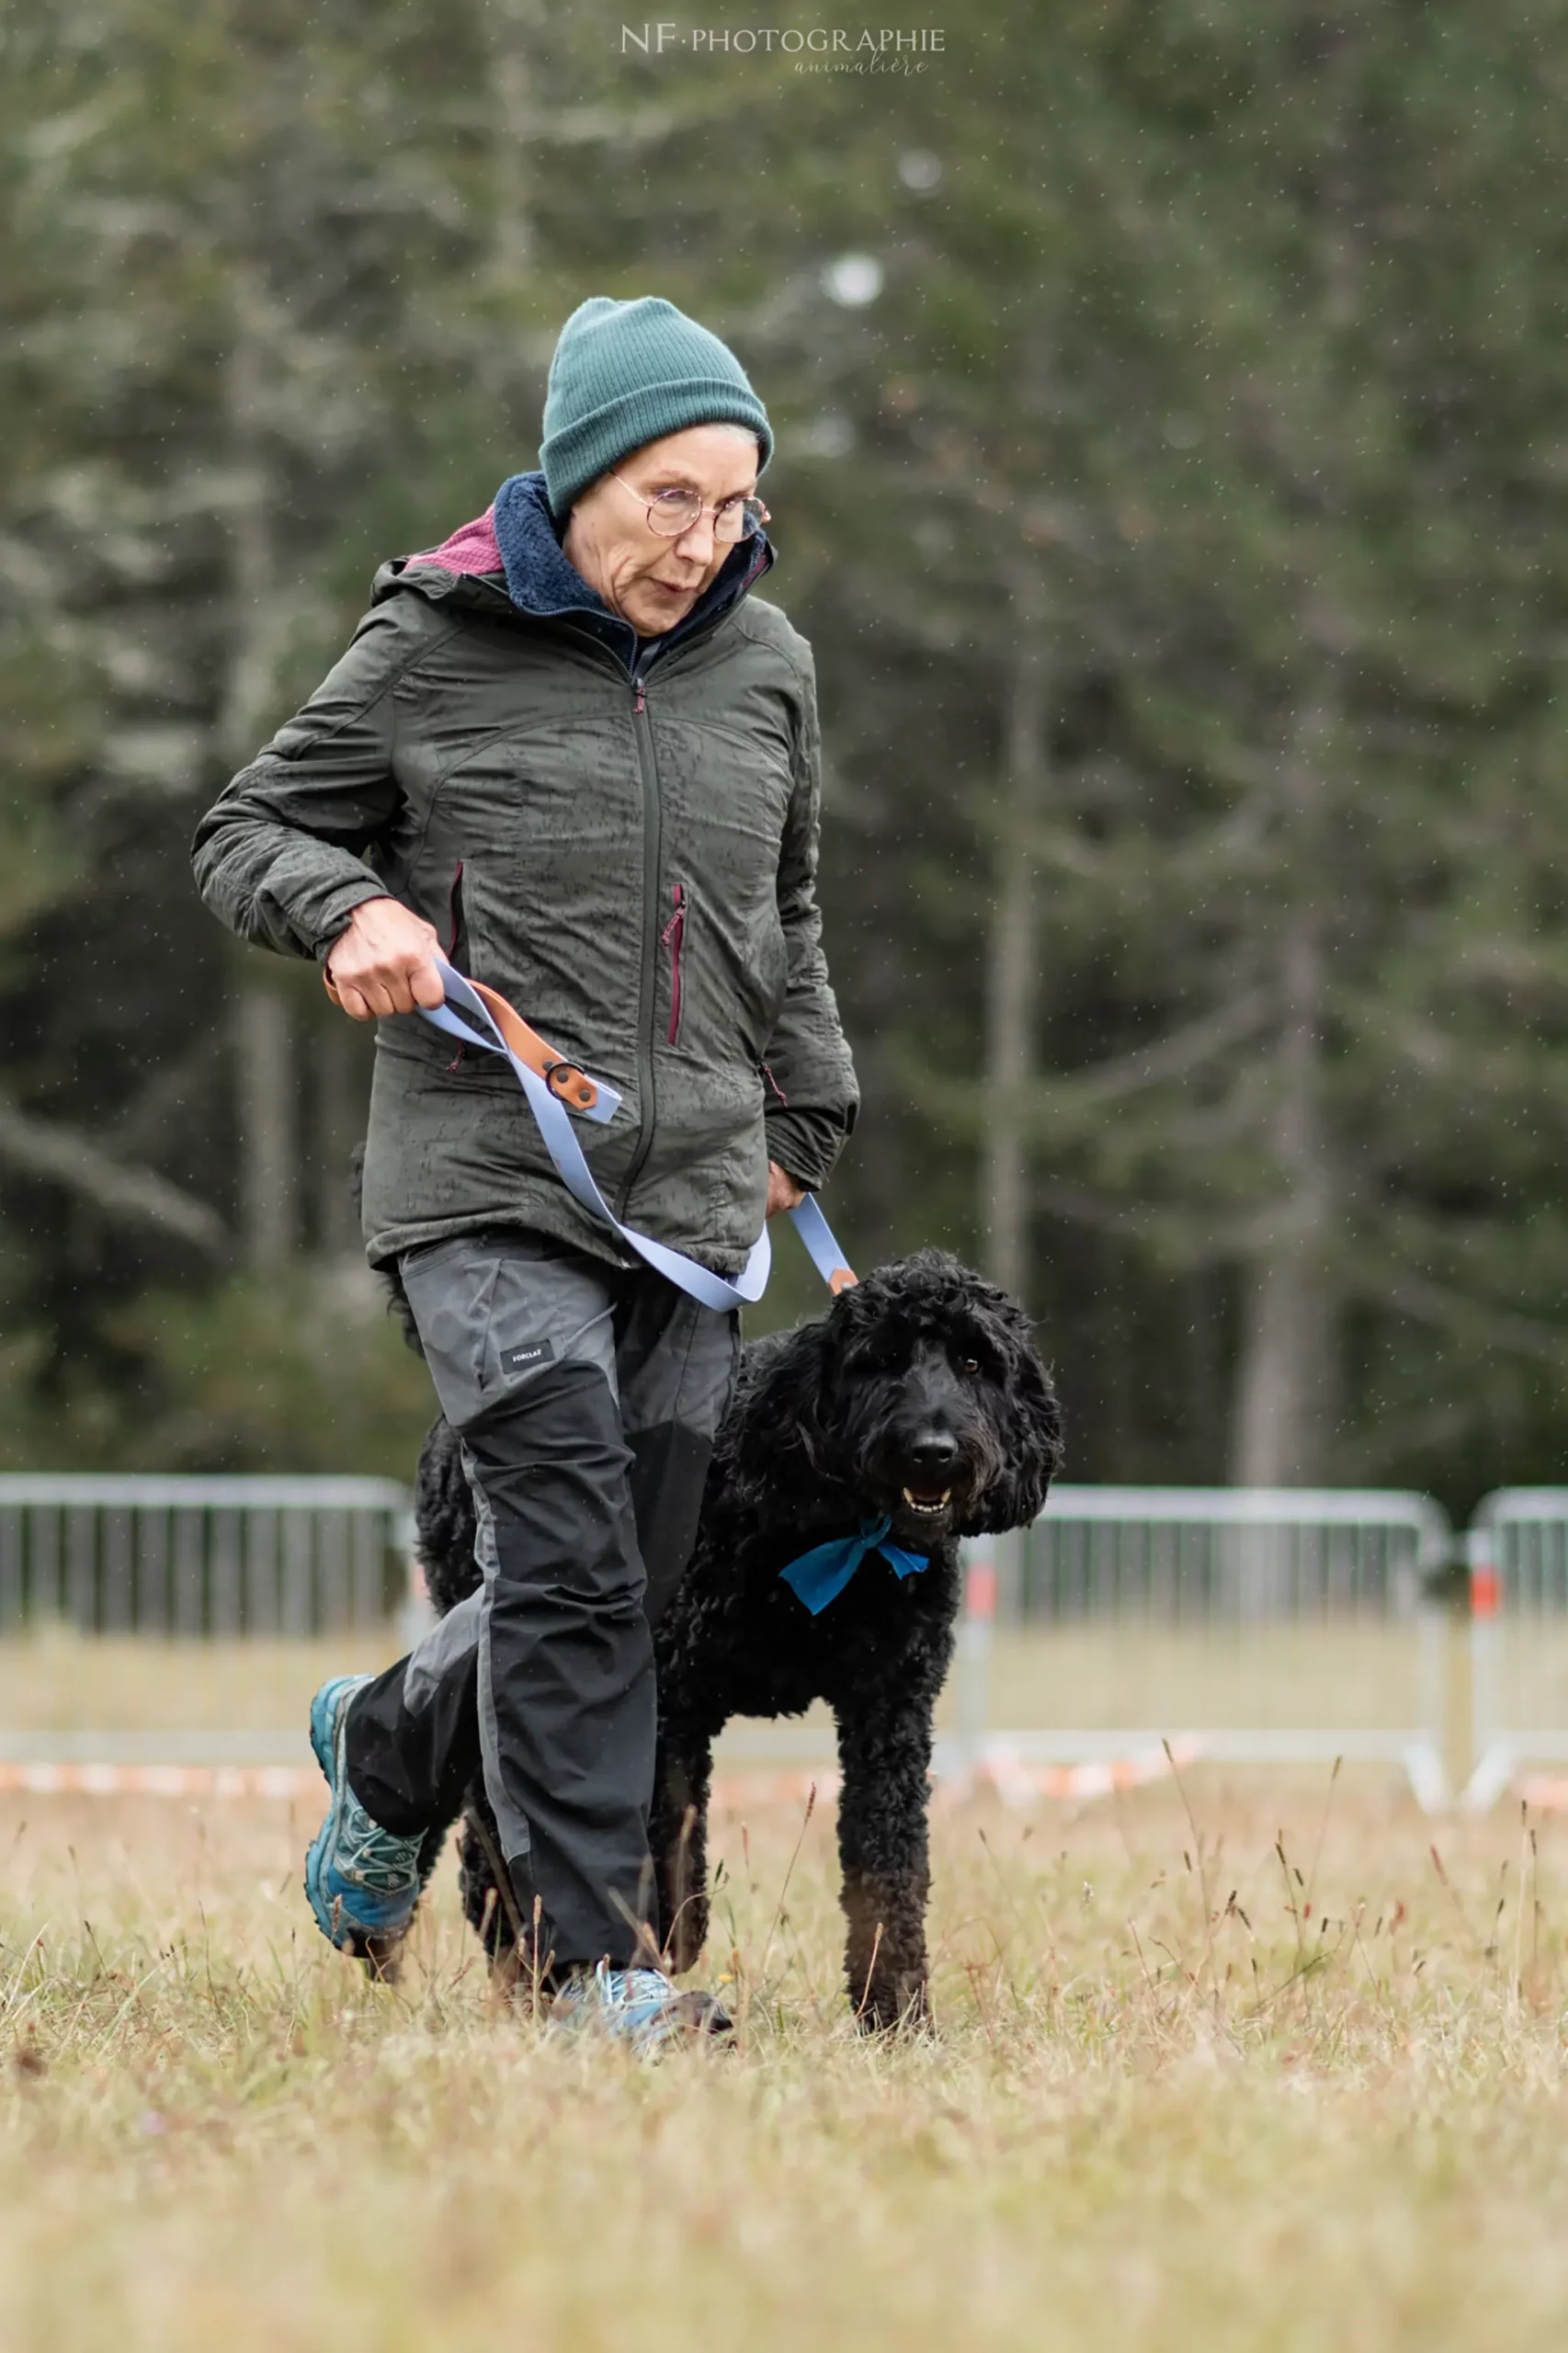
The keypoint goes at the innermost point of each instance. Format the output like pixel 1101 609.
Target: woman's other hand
pixel 783 1193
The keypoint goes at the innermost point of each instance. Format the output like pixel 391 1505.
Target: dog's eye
pixel 969 1364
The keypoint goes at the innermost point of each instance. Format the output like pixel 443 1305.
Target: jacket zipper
pixel 673 938
pixel 653 845
pixel 675 930
pixel 653 841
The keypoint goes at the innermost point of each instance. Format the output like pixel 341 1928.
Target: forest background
pixel 1173 480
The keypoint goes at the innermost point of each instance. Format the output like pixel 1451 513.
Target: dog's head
pixel 921 1393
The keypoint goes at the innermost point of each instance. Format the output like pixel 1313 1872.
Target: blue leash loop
pixel 597 1101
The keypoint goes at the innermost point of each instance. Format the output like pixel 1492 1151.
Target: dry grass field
pixel 1106 1674
pixel 1231 2065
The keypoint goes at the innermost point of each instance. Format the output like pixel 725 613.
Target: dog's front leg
pixel 677 1838
pixel 884 1751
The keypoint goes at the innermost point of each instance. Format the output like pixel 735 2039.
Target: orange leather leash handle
pixel 563 1078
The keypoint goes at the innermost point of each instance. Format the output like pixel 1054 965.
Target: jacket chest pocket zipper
pixel 672 938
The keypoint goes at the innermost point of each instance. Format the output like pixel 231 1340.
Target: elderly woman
pixel 573 749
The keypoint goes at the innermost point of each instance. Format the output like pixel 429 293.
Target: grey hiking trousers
pixel 586 1398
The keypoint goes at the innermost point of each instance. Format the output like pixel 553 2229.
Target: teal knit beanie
pixel 626 373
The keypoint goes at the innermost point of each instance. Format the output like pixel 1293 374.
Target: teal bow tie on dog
pixel 819 1576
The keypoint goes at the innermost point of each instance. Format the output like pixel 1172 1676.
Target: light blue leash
pixel 598 1102
pixel 819 1576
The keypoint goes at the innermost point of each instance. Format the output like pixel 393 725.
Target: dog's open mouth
pixel 930 1501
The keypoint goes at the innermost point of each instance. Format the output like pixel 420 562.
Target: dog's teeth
pixel 915 1504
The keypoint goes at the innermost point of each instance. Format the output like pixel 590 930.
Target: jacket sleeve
pixel 813 1096
pixel 281 856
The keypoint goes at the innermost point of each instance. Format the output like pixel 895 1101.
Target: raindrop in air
pixel 920 169
pixel 853 280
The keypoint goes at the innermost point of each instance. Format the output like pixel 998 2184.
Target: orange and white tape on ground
pixel 1019 1784
pixel 1014 1782
pixel 288 1781
pixel 79 1780
pixel 732 1790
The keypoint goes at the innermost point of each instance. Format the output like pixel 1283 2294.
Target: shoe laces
pixel 633 1990
pixel 641 2004
pixel 372 1858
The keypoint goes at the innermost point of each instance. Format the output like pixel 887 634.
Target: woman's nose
pixel 698 544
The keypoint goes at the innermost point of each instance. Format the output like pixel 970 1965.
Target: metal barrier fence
pixel 1260 1625
pixel 1256 1626
pixel 1517 1549
pixel 199 1556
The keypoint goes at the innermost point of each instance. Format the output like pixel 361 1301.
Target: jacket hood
pixel 514 549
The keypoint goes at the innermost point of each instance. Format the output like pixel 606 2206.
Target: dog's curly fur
pixel 921 1381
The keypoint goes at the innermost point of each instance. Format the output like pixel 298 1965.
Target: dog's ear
pixel 778 1432
pixel 1029 1430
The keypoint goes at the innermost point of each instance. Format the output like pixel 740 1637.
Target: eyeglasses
pixel 670 512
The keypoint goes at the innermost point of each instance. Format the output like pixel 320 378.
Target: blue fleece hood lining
pixel 540 580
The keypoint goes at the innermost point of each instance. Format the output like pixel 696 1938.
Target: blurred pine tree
pixel 1171 479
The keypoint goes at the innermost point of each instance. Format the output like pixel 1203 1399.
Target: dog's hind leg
pixel 490 1906
pixel 484 1902
pixel 432 1847
pixel 884 1751
pixel 677 1837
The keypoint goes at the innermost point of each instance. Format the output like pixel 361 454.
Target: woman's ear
pixel 1029 1435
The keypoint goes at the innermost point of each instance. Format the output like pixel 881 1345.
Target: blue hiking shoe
pixel 362 1880
pixel 638 2007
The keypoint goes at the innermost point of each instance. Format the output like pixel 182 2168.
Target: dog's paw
pixel 895 2006
pixel 379 1957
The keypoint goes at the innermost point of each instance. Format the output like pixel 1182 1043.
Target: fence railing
pixel 1518 1550
pixel 1264 1625
pixel 1257 1625
pixel 253 1556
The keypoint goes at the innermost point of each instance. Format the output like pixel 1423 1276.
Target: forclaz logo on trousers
pixel 523 1358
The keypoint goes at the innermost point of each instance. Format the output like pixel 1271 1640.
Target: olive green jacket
pixel 620 835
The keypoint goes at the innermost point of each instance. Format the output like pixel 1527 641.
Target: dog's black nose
pixel 936 1453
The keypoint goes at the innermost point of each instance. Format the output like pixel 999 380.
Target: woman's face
pixel 649 581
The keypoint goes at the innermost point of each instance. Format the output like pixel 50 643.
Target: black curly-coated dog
pixel 920 1399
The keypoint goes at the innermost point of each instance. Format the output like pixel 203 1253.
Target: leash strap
pixel 552 1087
pixel 825 1255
